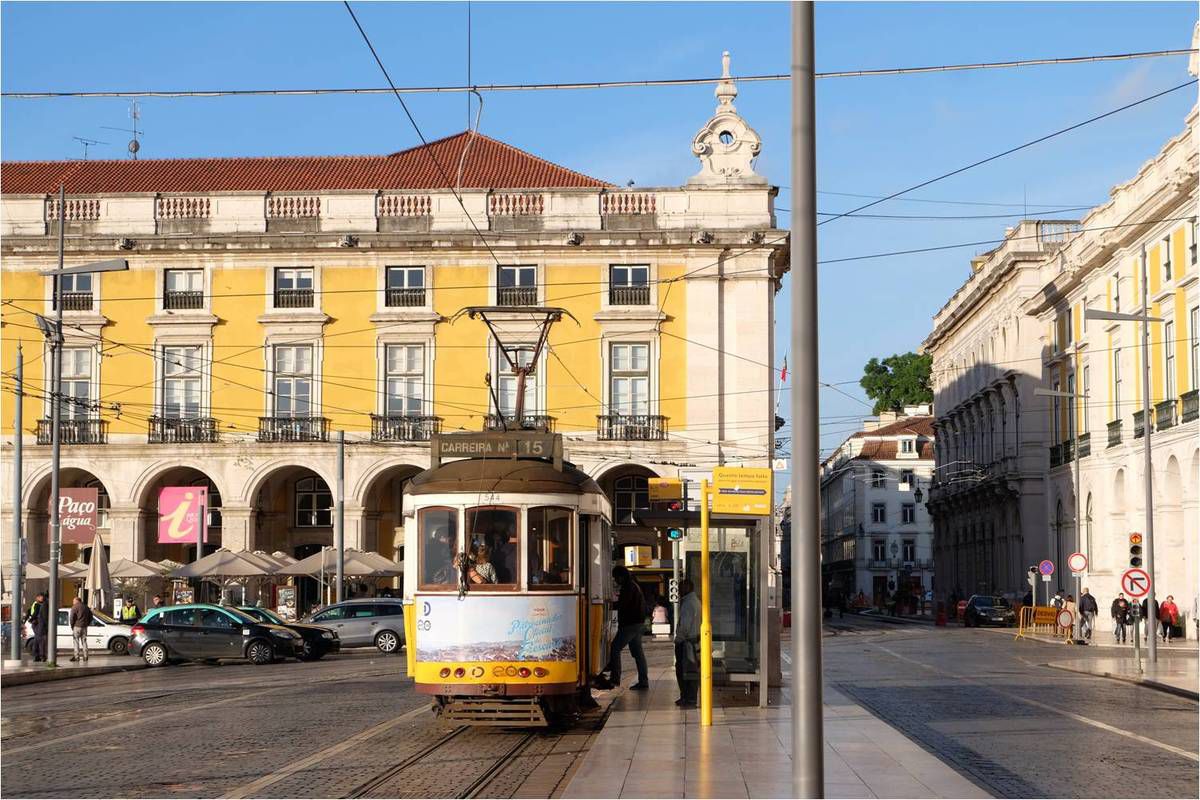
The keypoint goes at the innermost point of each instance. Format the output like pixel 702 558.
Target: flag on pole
pixel 783 372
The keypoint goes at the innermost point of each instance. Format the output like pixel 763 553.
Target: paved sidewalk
pixel 1175 675
pixel 29 672
pixel 651 748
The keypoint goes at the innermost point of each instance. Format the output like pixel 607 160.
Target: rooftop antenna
pixel 87 143
pixel 135 114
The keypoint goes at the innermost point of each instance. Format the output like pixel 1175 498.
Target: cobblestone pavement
pixel 321 729
pixel 986 706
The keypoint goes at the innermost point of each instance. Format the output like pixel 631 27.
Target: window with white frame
pixel 908 514
pixel 293 380
pixel 405 380
pixel 878 479
pixel 405 287
pixel 1169 360
pixel 1166 258
pixel 1192 245
pixel 1194 335
pixel 294 287
pixel 1054 418
pixel 506 382
pixel 183 289
pixel 1087 391
pixel 1071 407
pixel 76 395
pixel 629 378
pixel 879 512
pixel 878 550
pixel 908 446
pixel 629 285
pixel 1116 379
pixel 909 551
pixel 182 385
pixel 76 291
pixel 314 503
pixel 906 480
pixel 516 286
pixel 630 493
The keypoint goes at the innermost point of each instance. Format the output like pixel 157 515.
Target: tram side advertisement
pixel 490 628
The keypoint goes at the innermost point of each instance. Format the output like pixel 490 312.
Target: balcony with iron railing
pixel 76 301
pixel 182 430
pixel 293 429
pixel 1085 445
pixel 294 298
pixel 516 296
pixel 183 301
pixel 1191 403
pixel 1164 415
pixel 629 295
pixel 529 422
pixel 404 298
pixel 91 430
pixel 1139 424
pixel 1114 433
pixel 631 427
pixel 404 428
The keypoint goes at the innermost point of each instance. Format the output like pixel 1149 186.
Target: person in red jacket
pixel 1168 617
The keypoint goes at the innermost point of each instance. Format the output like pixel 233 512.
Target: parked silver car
pixel 365 622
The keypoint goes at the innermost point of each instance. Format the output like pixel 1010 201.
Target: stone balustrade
pixel 571 210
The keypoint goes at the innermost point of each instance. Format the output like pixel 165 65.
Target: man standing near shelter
pixel 687 642
pixel 1120 617
pixel 79 620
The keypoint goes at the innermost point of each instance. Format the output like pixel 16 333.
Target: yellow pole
pixel 706 700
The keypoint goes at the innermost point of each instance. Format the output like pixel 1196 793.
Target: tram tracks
pixel 386 783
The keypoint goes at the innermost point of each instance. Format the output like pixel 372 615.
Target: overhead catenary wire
pixel 614 84
pixel 1012 150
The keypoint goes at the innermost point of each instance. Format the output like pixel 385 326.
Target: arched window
pixel 102 502
pixel 631 493
pixel 314 503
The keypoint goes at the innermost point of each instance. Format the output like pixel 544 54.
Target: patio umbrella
pixel 223 568
pixel 355 565
pixel 98 582
pixel 41 572
pixel 381 561
pixel 282 557
pixel 123 569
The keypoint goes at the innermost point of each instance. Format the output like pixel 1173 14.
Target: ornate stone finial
pixel 726 145
pixel 1194 58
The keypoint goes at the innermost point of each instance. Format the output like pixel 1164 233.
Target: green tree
pixel 897 381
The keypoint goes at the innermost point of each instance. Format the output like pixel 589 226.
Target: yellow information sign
pixel 742 490
pixel 665 489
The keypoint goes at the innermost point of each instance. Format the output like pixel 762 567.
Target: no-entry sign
pixel 1064 618
pixel 1135 583
pixel 1077 562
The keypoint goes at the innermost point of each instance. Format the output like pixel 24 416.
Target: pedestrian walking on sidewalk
pixel 1120 617
pixel 1058 600
pixel 687 645
pixel 1088 608
pixel 79 619
pixel 39 621
pixel 631 620
pixel 1168 618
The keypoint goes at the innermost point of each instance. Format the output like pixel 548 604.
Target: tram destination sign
pixel 510 444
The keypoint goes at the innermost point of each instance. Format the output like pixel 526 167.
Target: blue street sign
pixel 1046 567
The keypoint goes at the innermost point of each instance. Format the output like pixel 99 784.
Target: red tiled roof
pixel 913 426
pixel 490 164
pixel 886 451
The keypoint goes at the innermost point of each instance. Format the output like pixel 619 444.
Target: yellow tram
pixel 507 571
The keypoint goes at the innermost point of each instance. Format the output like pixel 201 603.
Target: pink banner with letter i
pixel 182 513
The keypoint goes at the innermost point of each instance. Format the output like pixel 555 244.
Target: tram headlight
pixel 524 672
pixel 459 672
pixel 444 673
pixel 541 672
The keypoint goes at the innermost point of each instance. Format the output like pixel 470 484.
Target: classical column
pixel 237 527
pixel 124 540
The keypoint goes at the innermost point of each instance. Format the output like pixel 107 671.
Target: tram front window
pixel 549 547
pixel 494 527
pixel 439 545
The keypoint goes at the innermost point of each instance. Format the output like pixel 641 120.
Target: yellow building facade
pixel 273 304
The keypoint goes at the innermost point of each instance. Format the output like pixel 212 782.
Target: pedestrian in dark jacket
pixel 1149 617
pixel 79 619
pixel 631 620
pixel 1120 617
pixel 1087 610
pixel 39 620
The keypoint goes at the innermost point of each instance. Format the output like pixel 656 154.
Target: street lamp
pixel 1040 392
pixel 1148 534
pixel 52 330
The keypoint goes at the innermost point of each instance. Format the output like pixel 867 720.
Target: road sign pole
pixel 1148 469
pixel 706 659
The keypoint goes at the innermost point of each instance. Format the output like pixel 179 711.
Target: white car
pixel 105 633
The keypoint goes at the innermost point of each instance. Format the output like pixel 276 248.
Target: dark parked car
pixel 203 632
pixel 365 621
pixel 316 642
pixel 984 609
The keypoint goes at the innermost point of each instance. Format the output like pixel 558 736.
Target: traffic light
pixel 1135 549
pixel 674 534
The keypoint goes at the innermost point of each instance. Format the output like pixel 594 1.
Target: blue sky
pixel 875 135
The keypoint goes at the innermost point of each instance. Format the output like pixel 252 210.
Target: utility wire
pixel 1012 150
pixel 566 86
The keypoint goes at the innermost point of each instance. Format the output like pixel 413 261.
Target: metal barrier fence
pixel 1041 621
